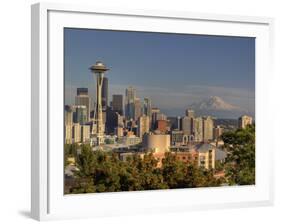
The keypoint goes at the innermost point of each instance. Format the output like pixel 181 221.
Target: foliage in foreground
pixel 100 171
pixel 103 172
pixel 240 163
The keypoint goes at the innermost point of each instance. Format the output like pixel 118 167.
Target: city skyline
pixel 155 121
pixel 174 92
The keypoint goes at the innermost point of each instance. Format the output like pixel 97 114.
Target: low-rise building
pixel 206 155
pixel 129 140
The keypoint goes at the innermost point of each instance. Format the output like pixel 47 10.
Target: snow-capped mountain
pixel 217 107
pixel 214 103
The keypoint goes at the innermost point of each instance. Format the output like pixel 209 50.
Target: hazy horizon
pixel 174 70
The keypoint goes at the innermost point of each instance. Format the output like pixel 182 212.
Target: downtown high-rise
pixel 117 103
pixel 82 99
pixel 130 102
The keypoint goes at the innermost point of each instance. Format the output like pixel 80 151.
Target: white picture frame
pixel 48 201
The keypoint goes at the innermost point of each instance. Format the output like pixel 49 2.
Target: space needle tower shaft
pixel 99 70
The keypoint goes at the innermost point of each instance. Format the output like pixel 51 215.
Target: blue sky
pixel 174 70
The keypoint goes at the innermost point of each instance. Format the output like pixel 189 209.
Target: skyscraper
pixel 130 103
pixel 208 126
pixel 173 122
pixel 68 122
pixel 68 134
pixel 217 132
pixel 244 120
pixel 82 98
pixel 147 107
pixel 187 125
pixel 113 120
pixel 85 133
pixel 117 103
pixel 138 111
pixel 82 91
pixel 154 112
pixel 198 129
pixel 143 125
pixel 76 133
pixel 162 126
pixel 104 93
pixel 190 113
pixel 80 114
pixel 68 115
pixel 160 116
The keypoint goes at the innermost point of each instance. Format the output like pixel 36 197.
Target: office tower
pixel 154 112
pixel 68 134
pixel 244 121
pixel 76 133
pixel 187 125
pixel 162 126
pixel 68 115
pixel 143 125
pixel 82 92
pixel 113 120
pixel 82 98
pixel 198 129
pixel 104 93
pixel 130 103
pixel 85 133
pixel 173 122
pixel 98 70
pixel 208 125
pixel 138 111
pixel 117 103
pixel 147 109
pixel 217 132
pixel 80 114
pixel 190 113
pixel 179 122
pixel 68 121
pixel 161 116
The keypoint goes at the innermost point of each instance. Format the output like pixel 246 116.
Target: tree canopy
pixel 240 162
pixel 100 171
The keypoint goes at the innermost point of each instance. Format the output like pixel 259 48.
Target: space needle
pixel 98 71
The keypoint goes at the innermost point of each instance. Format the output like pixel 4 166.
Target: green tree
pixel 240 161
pixel 173 171
pixel 130 178
pixel 150 175
pixel 70 150
pixel 85 161
pixel 106 173
pixel 83 185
